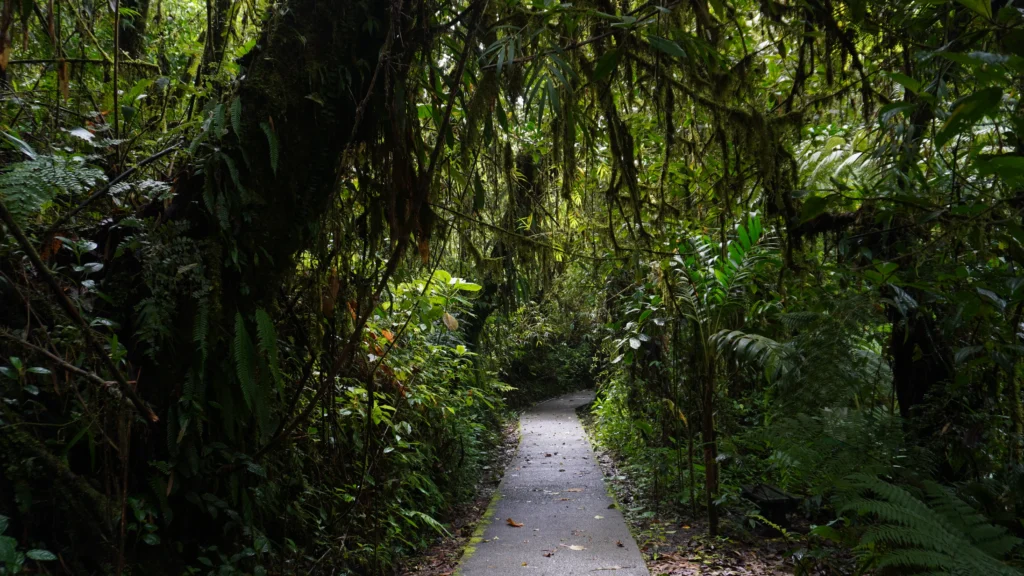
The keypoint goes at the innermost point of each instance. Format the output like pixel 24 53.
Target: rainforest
pixel 285 283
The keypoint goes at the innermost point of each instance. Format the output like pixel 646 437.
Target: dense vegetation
pixel 273 273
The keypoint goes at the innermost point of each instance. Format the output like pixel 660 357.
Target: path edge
pixel 492 507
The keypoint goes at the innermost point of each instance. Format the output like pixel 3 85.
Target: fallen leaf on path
pixel 598 517
pixel 513 523
pixel 575 547
pixel 575 490
pixel 548 553
pixel 620 544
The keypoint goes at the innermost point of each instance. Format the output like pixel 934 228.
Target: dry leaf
pixel 620 544
pixel 387 334
pixel 598 517
pixel 577 547
pixel 450 322
pixel 548 553
pixel 575 490
pixel 513 523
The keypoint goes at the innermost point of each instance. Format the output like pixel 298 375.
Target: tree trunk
pixel 133 27
pixel 219 19
pixel 920 359
pixel 6 42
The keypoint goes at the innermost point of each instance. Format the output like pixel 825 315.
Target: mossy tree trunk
pixel 219 21
pixel 133 26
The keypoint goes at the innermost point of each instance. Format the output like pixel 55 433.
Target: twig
pixel 72 311
pixel 63 363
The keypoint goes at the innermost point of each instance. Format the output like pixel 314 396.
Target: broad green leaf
pixel 1008 168
pixel 606 65
pixel 20 145
pixel 665 45
pixel 982 7
pixel 478 193
pixel 968 112
pixel 889 111
pixel 40 555
pixel 906 81
pixel 814 206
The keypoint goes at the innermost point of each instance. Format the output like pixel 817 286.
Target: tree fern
pixel 939 534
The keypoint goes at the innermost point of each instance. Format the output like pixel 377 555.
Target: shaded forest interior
pixel 275 274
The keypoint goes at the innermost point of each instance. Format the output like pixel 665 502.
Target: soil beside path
pixel 553 515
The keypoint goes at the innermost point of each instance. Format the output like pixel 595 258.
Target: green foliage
pixel 935 533
pixel 15 561
pixel 787 232
pixel 30 186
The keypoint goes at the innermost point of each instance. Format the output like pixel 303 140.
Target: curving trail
pixel 555 489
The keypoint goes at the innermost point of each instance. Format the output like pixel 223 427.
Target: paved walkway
pixel 555 490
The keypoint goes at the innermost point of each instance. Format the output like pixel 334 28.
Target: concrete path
pixel 555 489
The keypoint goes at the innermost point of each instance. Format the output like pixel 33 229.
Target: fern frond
pixel 943 534
pixel 243 350
pixel 425 519
pixel 26 188
pixel 915 559
pixel 274 146
pixel 236 117
pixel 268 344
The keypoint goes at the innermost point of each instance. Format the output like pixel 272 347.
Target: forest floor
pixel 675 544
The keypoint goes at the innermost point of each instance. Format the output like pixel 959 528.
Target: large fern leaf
pixel 27 187
pixel 938 534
